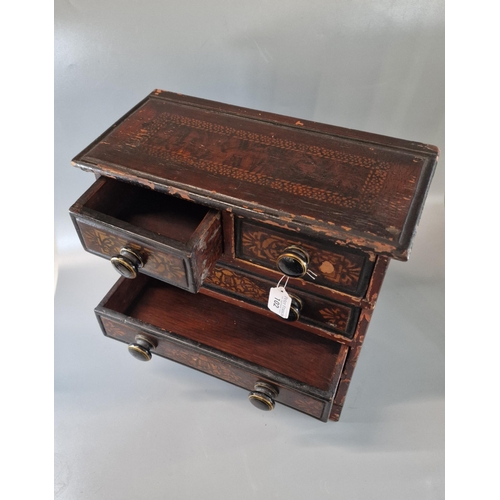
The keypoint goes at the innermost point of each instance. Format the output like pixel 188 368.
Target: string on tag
pixel 281 279
pixel 311 274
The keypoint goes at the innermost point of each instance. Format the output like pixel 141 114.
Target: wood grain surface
pixel 178 241
pixel 272 344
pixel 362 189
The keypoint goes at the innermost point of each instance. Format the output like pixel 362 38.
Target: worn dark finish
pixel 277 346
pixel 315 311
pixel 223 200
pixel 355 350
pixel 228 335
pixel 358 188
pixel 334 267
pixel 175 240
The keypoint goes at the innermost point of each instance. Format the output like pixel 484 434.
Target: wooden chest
pixel 203 208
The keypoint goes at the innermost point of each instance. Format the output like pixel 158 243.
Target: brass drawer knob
pixel 141 348
pixel 127 263
pixel 295 307
pixel 293 262
pixel 263 396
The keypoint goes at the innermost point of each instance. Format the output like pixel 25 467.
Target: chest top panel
pixel 361 189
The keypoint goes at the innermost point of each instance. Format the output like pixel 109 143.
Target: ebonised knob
pixel 293 262
pixel 127 263
pixel 295 307
pixel 141 348
pixel 263 396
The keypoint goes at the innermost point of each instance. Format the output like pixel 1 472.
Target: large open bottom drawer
pixel 226 341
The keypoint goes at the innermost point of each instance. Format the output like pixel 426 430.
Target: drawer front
pixel 336 268
pixel 316 311
pixel 161 265
pixel 169 239
pixel 211 365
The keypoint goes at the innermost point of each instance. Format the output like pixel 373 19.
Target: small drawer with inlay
pixel 323 315
pixel 296 256
pixel 143 231
pixel 275 361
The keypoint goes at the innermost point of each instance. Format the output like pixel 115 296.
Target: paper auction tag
pixel 279 301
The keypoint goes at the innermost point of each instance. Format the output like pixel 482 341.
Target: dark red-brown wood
pixel 359 336
pixel 211 195
pixel 364 190
pixel 230 339
pixel 334 266
pixel 179 241
pixel 324 316
pixel 191 356
pixel 273 345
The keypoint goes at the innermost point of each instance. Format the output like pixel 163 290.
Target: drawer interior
pixel 271 344
pixel 156 212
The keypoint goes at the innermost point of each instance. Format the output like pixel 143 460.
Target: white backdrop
pixel 373 66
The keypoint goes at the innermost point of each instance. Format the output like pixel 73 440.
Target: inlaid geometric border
pixel 164 121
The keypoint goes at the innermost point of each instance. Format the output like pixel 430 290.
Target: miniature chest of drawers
pixel 204 207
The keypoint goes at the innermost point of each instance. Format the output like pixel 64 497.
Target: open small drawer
pixel 143 231
pixel 277 362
